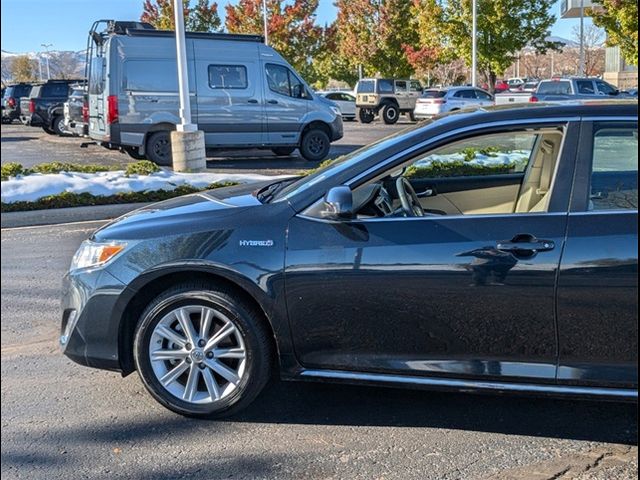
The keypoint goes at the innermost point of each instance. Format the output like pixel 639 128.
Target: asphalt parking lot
pixel 31 145
pixel 63 421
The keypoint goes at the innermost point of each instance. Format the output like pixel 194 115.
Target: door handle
pixel 252 100
pixel 272 102
pixel 429 192
pixel 525 244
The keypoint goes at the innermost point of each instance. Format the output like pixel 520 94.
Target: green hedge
pixel 458 168
pixel 143 167
pixel 69 199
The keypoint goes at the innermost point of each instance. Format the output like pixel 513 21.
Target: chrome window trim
pixel 479 385
pixel 617 211
pixel 614 118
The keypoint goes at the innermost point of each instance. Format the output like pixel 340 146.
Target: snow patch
pixel 32 187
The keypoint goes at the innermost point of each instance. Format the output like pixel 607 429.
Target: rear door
pixel 598 280
pixel 402 94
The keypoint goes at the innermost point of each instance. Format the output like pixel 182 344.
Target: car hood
pixel 183 214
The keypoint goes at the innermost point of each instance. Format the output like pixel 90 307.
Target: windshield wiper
pixel 266 194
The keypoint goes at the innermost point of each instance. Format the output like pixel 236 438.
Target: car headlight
pixel 93 254
pixel 335 110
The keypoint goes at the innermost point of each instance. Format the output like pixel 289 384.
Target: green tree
pixel 374 33
pixel 202 17
pixel 620 20
pixel 504 28
pixel 432 49
pixel 24 69
pixel 328 65
pixel 291 28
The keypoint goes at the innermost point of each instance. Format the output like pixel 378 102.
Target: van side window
pixel 149 76
pixel 228 76
pixel 614 172
pixel 282 80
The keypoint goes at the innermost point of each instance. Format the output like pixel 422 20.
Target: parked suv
pixel 244 94
pixel 436 101
pixel 574 88
pixel 44 106
pixel 389 97
pixel 11 101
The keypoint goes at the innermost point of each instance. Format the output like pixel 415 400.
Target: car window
pixel 434 93
pixel 282 81
pixel 385 86
pixel 96 76
pixel 415 86
pixel 483 95
pixel 465 94
pixel 345 97
pixel 55 90
pixel 494 154
pixel 228 77
pixel 555 87
pixel 605 88
pixel 332 96
pixel 585 87
pixel 147 76
pixel 366 86
pixel 401 86
pixel 614 171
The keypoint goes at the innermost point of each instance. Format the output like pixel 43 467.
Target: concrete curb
pixel 66 215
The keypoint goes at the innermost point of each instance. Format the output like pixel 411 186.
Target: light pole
pixel 581 68
pixel 474 44
pixel 264 21
pixel 46 47
pixel 187 142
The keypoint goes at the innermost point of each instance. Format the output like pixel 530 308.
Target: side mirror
pixel 338 203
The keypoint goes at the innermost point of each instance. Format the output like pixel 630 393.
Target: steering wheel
pixel 408 198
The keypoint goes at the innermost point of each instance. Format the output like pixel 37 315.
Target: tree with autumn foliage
pixel 291 26
pixel 620 20
pixel 201 17
pixel 504 28
pixel 374 33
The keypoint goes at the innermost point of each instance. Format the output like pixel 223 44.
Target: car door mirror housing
pixel 338 203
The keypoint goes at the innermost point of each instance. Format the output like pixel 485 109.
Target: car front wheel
pixel 315 145
pixel 201 352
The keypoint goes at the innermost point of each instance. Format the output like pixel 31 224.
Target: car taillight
pixel 112 109
pixel 439 101
pixel 32 106
pixel 533 99
pixel 11 102
pixel 85 112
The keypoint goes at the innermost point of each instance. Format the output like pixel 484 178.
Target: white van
pixel 243 94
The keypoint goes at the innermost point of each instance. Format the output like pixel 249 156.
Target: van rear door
pixel 97 100
pixel 230 107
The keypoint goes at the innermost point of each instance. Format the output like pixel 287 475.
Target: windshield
pixel 434 93
pixel 366 86
pixel 333 167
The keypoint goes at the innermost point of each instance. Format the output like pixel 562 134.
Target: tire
pixel 134 153
pixel 159 148
pixel 48 130
pixel 315 145
pixel 57 125
pixel 390 114
pixel 283 151
pixel 243 378
pixel 365 116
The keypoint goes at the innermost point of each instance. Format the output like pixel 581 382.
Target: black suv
pixel 44 106
pixel 11 101
pixel 491 250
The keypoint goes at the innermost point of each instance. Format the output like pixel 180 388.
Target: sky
pixel 27 24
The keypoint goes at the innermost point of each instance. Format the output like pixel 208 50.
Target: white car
pixel 346 101
pixel 435 101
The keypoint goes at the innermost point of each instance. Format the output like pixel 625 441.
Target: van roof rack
pixel 237 37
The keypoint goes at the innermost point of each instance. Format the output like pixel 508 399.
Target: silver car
pixel 346 102
pixel 435 101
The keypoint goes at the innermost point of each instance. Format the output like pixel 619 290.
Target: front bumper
pixel 90 318
pixel 337 128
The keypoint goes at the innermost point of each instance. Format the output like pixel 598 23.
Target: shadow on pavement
pixel 17 139
pixel 324 404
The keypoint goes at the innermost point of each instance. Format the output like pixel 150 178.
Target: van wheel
pixel 365 115
pixel 315 145
pixel 48 130
pixel 201 351
pixel 390 114
pixel 159 148
pixel 283 151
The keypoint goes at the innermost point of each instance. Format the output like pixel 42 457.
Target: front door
pixel 286 104
pixel 453 295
